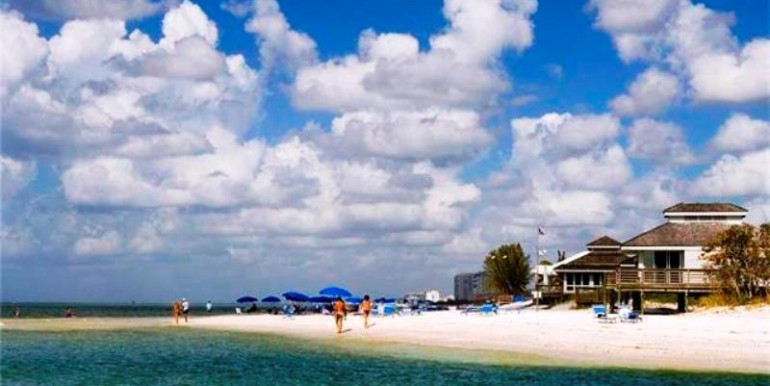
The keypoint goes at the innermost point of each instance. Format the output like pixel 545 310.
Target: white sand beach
pixel 724 340
pixel 712 340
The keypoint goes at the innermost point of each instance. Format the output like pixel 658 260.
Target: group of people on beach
pixel 180 308
pixel 340 311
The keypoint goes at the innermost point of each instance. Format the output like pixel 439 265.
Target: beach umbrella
pixel 271 299
pixel 335 291
pixel 353 299
pixel 295 296
pixel 321 299
pixel 247 299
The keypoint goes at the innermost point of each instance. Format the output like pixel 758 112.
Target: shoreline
pixel 711 341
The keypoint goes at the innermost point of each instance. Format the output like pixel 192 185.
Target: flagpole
pixel 537 268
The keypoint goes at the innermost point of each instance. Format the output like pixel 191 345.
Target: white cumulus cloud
pixel 89 9
pixel 108 243
pixel 741 132
pixel 16 174
pixel 661 142
pixel 430 133
pixel 278 43
pixel 652 92
pixel 22 50
pixel 694 42
pixel 389 71
pixel 744 175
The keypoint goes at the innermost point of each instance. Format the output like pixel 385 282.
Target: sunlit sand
pixel 715 340
pixel 737 340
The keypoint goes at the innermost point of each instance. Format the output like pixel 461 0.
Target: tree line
pixel 740 261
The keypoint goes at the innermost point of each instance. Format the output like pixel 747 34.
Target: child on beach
pixel 366 309
pixel 340 311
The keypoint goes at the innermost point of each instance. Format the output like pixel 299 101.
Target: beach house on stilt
pixel 664 259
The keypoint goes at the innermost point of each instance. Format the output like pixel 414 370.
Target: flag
pixel 540 231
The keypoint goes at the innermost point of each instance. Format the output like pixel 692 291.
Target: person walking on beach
pixel 209 306
pixel 176 309
pixel 68 312
pixel 340 311
pixel 185 308
pixel 366 309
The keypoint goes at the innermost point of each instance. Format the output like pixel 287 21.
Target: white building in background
pixel 432 296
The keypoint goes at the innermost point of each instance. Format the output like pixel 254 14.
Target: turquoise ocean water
pixel 53 310
pixel 180 356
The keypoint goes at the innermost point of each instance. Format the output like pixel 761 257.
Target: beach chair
pixel 389 310
pixel 471 310
pixel 488 309
pixel 628 315
pixel 289 311
pixel 600 311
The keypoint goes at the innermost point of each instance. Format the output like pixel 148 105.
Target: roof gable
pixel 604 241
pixel 677 235
pixel 704 207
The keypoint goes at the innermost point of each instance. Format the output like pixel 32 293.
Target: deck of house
pixel 636 282
pixel 660 280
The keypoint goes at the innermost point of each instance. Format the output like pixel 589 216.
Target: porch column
pixel 636 297
pixel 681 302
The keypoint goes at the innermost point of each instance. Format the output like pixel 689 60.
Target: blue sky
pixel 208 149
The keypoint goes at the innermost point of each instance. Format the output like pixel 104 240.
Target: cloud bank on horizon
pixel 152 148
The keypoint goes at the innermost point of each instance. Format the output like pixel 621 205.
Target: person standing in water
pixel 340 311
pixel 366 309
pixel 209 306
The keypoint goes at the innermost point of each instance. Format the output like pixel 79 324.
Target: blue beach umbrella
pixel 295 296
pixel 321 299
pixel 353 299
pixel 335 291
pixel 271 299
pixel 247 299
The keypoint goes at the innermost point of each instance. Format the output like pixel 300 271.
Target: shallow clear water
pixel 55 310
pixel 174 356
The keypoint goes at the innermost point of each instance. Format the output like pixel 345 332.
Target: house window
pixel 667 259
pixel 581 280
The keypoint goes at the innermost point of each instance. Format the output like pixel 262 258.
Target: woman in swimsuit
pixel 366 309
pixel 176 309
pixel 340 311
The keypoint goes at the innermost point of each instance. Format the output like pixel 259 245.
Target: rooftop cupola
pixel 692 212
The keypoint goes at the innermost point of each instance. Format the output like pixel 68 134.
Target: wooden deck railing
pixel 660 278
